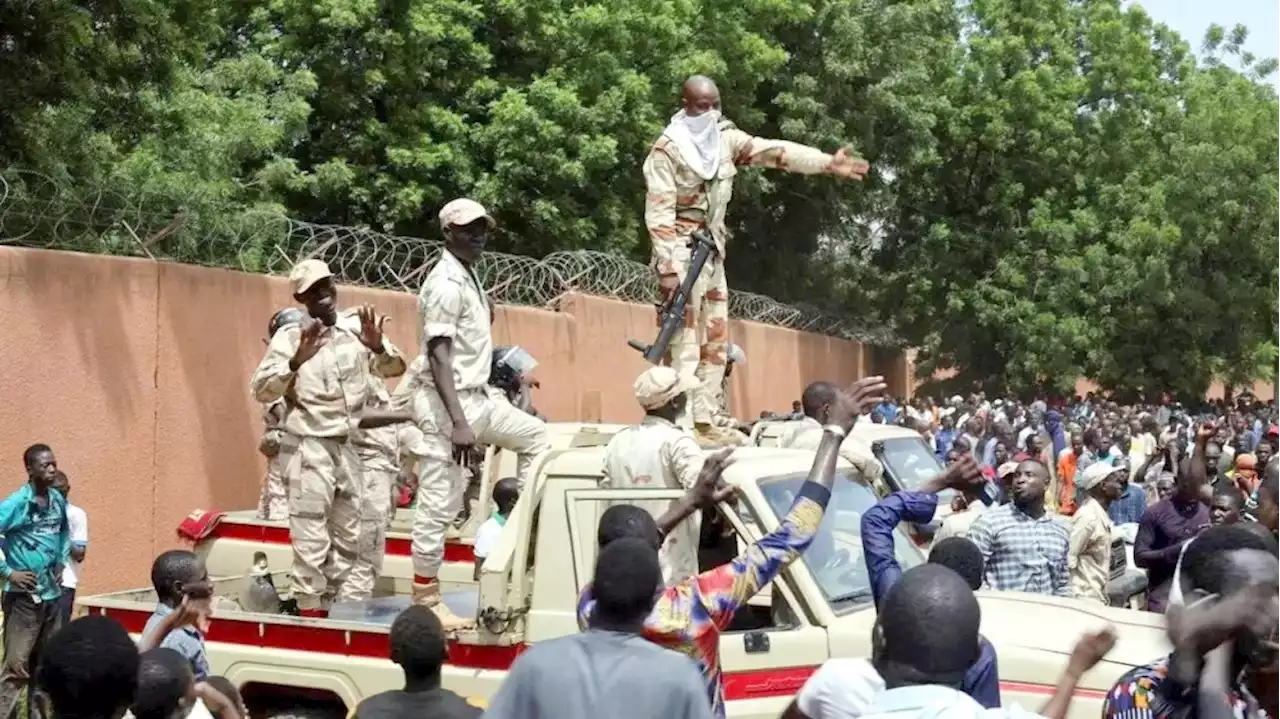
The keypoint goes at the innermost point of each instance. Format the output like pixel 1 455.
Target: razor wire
pixel 39 211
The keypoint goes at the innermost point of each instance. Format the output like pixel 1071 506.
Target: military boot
pixel 428 595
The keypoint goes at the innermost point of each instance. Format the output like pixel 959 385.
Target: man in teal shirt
pixel 33 522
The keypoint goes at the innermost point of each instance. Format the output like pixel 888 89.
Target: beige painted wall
pixel 136 373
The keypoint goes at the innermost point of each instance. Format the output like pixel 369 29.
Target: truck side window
pixel 720 544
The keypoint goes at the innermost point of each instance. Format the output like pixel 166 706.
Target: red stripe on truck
pixel 454 550
pixel 306 637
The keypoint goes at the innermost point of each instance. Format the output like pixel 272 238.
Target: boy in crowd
pixel 78 528
pixel 418 646
pixel 181 582
pixel 505 493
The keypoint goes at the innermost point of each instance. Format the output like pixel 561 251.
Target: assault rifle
pixel 671 313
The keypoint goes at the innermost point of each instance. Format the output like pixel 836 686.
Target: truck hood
pixel 1034 622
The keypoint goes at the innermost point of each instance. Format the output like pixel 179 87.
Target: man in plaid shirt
pixel 1023 546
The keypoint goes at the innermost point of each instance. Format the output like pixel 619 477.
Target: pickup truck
pixel 229 548
pixel 820 607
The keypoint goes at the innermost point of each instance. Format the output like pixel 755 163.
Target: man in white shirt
pixel 915 674
pixel 505 493
pixel 78 526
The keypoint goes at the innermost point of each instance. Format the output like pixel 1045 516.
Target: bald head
pixel 700 95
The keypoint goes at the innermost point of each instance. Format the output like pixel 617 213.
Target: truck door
pixel 768 651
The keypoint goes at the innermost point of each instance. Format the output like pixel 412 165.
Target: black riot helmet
pixel 286 317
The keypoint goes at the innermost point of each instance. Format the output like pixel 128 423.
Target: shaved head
pixel 700 95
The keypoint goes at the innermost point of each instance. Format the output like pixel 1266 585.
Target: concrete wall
pixel 136 373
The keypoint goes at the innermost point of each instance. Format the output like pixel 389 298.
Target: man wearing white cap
pixel 1089 550
pixel 453 407
pixel 322 370
pixel 660 454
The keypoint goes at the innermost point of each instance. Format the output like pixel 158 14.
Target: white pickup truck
pixel 818 608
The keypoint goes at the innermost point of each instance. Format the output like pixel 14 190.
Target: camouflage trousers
pixel 375 508
pixel 273 502
pixel 442 483
pixel 697 350
pixel 325 486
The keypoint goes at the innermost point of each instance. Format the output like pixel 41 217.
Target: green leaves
pixel 1059 189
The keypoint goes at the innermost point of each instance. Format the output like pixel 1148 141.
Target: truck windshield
pixel 835 557
pixel 910 462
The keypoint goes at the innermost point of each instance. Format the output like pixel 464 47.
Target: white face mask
pixel 702 123
pixel 698 139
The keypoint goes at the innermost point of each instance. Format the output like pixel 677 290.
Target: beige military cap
pixel 463 211
pixel 657 386
pixel 307 273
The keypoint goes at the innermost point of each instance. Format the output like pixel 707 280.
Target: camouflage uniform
pixel 273 503
pixel 658 454
pixel 379 453
pixel 453 304
pixel 725 422
pixel 326 397
pixel 678 201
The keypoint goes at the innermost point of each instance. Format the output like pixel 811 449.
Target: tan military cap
pixel 463 212
pixel 307 273
pixel 657 386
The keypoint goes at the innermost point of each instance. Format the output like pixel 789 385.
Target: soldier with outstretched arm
pixel 688 182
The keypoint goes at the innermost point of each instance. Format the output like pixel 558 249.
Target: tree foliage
pixel 1060 188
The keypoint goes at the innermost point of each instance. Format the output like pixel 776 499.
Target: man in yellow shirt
pixel 1089 548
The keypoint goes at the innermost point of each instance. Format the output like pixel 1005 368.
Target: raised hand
pixel 857 400
pixel 1090 649
pixel 964 474
pixel 371 328
pixel 709 489
pixel 845 165
pixel 312 340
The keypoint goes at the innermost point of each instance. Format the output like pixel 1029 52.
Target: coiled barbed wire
pixel 39 211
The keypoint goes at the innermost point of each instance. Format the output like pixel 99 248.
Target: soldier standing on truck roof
pixel 453 407
pixel 660 454
pixel 322 371
pixel 273 503
pixel 689 180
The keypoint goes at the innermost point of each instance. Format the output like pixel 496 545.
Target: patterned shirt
pixel 690 615
pixel 1023 554
pixel 1148 692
